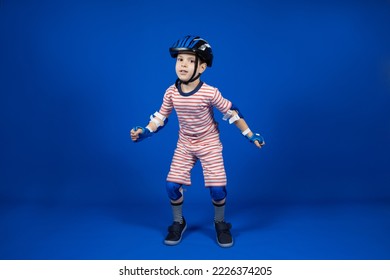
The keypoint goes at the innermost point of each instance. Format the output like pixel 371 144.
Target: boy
pixel 199 139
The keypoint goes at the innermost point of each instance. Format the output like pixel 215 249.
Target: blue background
pixel 313 78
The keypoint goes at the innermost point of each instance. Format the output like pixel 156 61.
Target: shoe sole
pixel 172 243
pixel 227 245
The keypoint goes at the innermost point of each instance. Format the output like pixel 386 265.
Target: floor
pixel 272 231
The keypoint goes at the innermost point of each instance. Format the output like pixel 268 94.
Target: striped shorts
pixel 210 157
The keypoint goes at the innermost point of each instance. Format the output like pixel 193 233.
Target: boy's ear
pixel 202 67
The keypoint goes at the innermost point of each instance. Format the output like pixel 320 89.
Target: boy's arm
pixel 233 115
pixel 157 121
pixel 244 128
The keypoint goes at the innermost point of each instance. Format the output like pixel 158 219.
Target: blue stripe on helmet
pixel 193 42
pixel 187 40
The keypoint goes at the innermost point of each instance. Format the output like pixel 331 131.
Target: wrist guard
pixel 256 137
pixel 146 133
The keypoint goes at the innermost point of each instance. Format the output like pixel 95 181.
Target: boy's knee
pixel 218 193
pixel 174 190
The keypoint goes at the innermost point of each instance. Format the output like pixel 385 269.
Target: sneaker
pixel 224 237
pixel 175 233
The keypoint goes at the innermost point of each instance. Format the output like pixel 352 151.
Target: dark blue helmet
pixel 193 44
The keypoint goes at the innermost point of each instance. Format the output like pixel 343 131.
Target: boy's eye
pixel 180 59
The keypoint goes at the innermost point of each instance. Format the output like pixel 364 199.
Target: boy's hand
pixel 134 134
pixel 258 145
pixel 257 139
pixel 139 133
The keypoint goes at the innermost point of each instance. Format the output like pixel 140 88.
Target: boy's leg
pixel 175 194
pixel 180 171
pixel 218 197
pixel 176 230
pixel 182 163
pixel 215 179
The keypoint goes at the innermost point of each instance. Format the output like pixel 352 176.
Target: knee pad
pixel 173 190
pixel 218 193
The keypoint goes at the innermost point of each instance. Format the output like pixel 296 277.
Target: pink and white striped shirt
pixel 195 112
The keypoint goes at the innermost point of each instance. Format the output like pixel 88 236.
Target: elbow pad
pixel 161 118
pixel 233 118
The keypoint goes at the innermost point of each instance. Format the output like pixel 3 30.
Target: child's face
pixel 185 65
